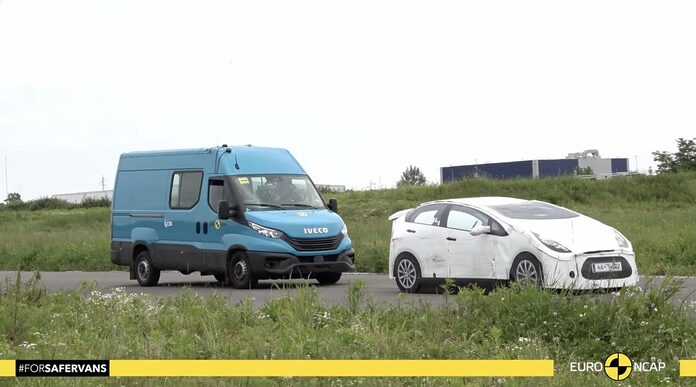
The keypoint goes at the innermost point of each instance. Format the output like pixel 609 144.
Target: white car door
pixel 427 241
pixel 469 256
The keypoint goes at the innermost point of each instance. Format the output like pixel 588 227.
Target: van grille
pixel 314 244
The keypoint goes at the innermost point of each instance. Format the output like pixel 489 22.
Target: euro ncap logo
pixel 618 366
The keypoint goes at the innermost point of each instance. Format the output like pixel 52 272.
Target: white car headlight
pixel 265 231
pixel 621 240
pixel 552 244
pixel 344 230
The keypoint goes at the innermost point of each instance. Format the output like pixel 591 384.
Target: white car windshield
pixel 277 192
pixel 533 210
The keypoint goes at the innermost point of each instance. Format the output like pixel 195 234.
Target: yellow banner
pixel 687 368
pixel 355 368
pixel 7 368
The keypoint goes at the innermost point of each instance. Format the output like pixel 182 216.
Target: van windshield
pixel 277 192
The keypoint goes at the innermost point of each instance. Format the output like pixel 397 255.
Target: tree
pixel 682 160
pixel 411 176
pixel 13 197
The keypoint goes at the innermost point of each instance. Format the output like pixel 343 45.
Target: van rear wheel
pixel 240 271
pixel 328 278
pixel 145 272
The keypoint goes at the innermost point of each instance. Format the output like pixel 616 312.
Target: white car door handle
pixel 451 239
pixel 409 230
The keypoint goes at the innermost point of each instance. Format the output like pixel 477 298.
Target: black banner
pixel 46 368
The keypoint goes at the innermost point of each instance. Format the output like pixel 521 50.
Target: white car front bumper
pixel 578 273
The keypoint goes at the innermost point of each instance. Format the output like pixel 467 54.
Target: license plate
pixel 606 267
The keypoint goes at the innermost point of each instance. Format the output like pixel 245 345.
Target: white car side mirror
pixel 478 230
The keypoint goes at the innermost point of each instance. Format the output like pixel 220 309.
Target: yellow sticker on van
pixel 243 180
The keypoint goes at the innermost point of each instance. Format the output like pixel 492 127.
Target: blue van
pixel 240 214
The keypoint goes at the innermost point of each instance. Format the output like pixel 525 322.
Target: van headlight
pixel 621 240
pixel 552 244
pixel 265 231
pixel 344 230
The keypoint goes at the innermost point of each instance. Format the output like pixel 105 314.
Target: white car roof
pixel 482 201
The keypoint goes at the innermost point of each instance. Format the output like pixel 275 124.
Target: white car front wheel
pixel 526 270
pixel 407 273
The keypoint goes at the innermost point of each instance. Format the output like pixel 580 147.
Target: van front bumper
pixel 272 265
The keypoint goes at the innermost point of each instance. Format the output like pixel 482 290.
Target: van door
pixel 213 229
pixel 179 249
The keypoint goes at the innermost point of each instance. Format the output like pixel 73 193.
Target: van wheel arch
pixel 137 248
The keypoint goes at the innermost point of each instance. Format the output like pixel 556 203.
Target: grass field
pixel 510 323
pixel 657 213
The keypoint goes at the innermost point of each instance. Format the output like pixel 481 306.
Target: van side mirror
pixel 224 211
pixel 333 205
pixel 478 230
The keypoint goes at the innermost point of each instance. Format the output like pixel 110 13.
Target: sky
pixel 356 90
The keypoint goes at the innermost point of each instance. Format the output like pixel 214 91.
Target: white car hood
pixel 580 234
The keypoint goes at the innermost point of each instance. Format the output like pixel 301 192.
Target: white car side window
pixel 461 220
pixel 427 217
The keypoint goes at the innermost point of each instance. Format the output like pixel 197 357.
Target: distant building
pixel 79 197
pixel 534 169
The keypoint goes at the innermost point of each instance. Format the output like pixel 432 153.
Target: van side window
pixel 216 191
pixel 176 186
pixel 186 190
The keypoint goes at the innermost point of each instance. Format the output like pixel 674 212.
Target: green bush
pixel 47 204
pixel 509 323
pixel 657 213
pixel 91 203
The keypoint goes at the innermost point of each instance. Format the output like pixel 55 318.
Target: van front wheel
pixel 240 271
pixel 145 272
pixel 328 278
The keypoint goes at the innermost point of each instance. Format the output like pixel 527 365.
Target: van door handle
pixel 205 227
pixel 451 239
pixel 409 230
pixel 198 227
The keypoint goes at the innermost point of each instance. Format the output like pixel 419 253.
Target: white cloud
pixel 357 90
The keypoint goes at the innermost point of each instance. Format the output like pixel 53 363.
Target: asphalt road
pixel 376 286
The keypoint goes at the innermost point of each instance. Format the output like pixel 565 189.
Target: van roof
pixel 190 151
pixel 250 159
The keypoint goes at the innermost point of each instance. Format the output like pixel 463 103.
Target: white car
pixel 499 238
